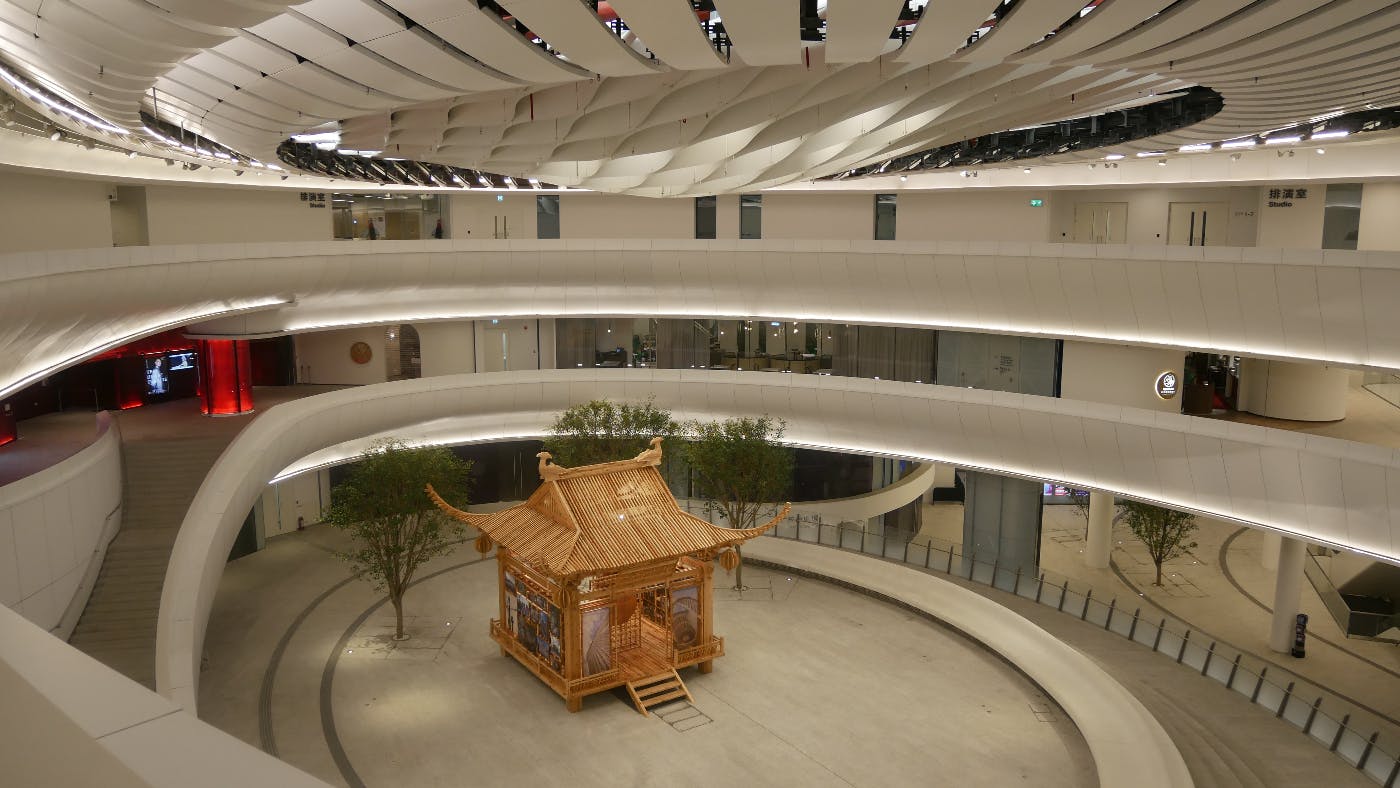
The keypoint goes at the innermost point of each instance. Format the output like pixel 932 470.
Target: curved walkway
pixel 1183 462
pixel 780 709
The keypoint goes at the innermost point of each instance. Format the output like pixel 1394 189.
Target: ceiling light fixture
pixel 1249 143
pixel 1282 140
pixel 1149 153
pixel 1113 157
pixel 1194 148
pixel 1329 135
pixel 1321 151
pixel 53 132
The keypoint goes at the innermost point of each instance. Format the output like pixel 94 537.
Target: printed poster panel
pixel 685 616
pixel 597 640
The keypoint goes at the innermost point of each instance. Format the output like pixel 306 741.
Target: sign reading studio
pixel 1283 198
pixel 1166 385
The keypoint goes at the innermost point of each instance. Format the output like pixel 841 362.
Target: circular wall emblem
pixel 1166 385
pixel 360 353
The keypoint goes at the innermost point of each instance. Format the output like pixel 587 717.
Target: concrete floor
pixel 820 686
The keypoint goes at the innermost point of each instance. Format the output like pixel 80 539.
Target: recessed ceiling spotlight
pixel 1162 163
pixel 170 162
pixel 1321 151
pixel 284 177
pixel 1026 170
pixel 88 144
pixel 1234 157
pixel 131 154
pixel 53 132
pixel 237 173
pixel 903 178
pixel 1092 165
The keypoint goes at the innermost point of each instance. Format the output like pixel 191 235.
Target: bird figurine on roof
pixel 651 456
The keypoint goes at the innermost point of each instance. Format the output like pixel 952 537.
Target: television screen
pixel 157 375
pixel 180 361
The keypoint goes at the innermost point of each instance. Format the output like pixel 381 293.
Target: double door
pixel 1198 224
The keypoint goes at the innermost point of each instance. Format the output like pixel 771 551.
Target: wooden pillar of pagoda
pixel 707 610
pixel 572 641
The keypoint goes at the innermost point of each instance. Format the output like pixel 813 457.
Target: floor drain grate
pixel 682 716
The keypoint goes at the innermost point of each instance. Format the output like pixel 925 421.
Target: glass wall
pixel 547 215
pixel 387 217
pixel 705 222
pixel 1341 216
pixel 751 216
pixel 913 355
pixel 884 217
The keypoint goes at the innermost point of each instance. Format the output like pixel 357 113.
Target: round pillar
pixel 1288 390
pixel 1099 540
pixel 225 377
pixel 1268 549
pixel 1288 589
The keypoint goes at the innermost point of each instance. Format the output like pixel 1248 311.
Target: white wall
pixel 482 216
pixel 978 216
pixel 52 213
pixel 307 495
pixel 618 216
pixel 1296 226
pixel 447 347
pixel 324 356
pixel 129 216
pixel 54 530
pixel 1285 390
pixel 1118 374
pixel 1380 217
pixel 191 214
pixel 520 350
pixel 816 216
pixel 1148 211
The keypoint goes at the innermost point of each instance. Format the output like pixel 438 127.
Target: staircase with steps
pixel 656 690
pixel 118 625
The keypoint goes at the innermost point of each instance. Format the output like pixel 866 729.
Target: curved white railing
pixel 59 521
pixel 1329 306
pixel 1318 489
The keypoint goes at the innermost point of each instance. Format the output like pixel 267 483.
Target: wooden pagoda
pixel 604 581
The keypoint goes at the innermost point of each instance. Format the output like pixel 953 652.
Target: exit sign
pixel 1036 203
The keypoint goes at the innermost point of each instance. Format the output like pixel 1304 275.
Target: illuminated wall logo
pixel 1166 385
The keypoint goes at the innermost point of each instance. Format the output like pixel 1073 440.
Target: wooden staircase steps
pixel 655 690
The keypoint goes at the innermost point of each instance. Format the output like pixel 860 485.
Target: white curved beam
pixel 1318 489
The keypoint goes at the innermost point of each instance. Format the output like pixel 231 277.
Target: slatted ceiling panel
pixel 358 20
pixel 363 66
pixel 427 11
pixel 300 35
pixel 1237 29
pixel 256 53
pixel 764 32
pixel 415 51
pixel 1282 46
pixel 943 28
pixel 574 29
pixel 217 65
pixel 859 30
pixel 326 88
pixel 671 30
pixel 1105 23
pixel 487 38
pixel 1026 24
pixel 1177 22
pixel 143 21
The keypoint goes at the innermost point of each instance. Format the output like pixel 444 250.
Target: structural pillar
pixel 1268 549
pixel 225 377
pixel 1099 540
pixel 1288 589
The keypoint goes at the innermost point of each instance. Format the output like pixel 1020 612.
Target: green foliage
pixel 1164 532
pixel 742 468
pixel 604 431
pixel 396 527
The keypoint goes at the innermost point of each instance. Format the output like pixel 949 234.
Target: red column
pixel 225 377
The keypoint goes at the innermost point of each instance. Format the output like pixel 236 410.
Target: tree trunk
pixel 397 601
pixel 739 570
pixel 1159 573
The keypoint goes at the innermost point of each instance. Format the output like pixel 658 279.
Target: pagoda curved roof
pixel 598 518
